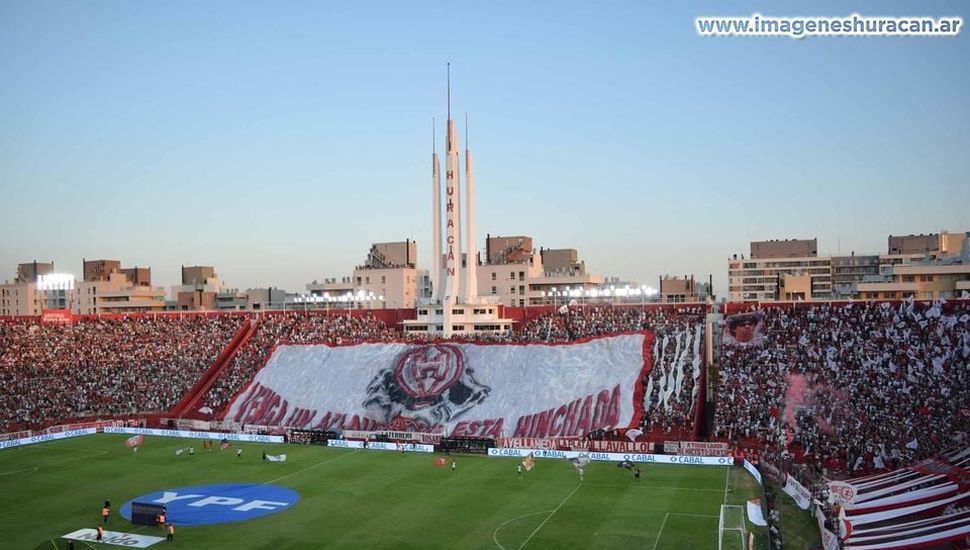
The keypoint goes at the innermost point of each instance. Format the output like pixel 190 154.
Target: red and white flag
pixel 845 526
pixel 134 441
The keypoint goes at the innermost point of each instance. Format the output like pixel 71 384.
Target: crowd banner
pixel 615 457
pixel 541 443
pixel 404 436
pixel 642 447
pixel 10 443
pixel 672 447
pixel 798 492
pixel 704 448
pixel 829 540
pixel 456 389
pixel 188 434
pixel 380 446
pixel 753 470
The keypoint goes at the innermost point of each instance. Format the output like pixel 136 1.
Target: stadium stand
pixel 103 367
pixel 273 329
pixel 867 385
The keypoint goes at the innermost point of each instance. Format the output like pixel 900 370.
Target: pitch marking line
pixel 311 467
pixel 28 470
pixel 665 487
pixel 550 515
pixel 516 518
pixel 31 470
pixel 726 479
pixel 661 531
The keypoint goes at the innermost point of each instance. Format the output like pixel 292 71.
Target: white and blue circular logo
pixel 219 503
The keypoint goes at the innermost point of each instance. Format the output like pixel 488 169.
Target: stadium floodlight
pixel 55 281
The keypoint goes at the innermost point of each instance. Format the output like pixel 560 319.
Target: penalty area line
pixel 329 460
pixel 727 478
pixel 661 531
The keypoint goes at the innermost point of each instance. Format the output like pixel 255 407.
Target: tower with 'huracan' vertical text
pixel 456 307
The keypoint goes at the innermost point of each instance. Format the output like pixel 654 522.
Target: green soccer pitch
pixel 368 499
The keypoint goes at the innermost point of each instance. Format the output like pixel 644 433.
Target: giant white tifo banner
pixel 457 389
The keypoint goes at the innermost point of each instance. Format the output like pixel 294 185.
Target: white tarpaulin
pixel 274 458
pixel 131 540
pixel 460 389
pixel 755 514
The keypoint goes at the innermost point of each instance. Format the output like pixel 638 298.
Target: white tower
pixel 435 219
pixel 455 286
pixel 470 284
pixel 452 254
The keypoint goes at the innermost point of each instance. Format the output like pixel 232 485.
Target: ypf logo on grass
pixel 219 503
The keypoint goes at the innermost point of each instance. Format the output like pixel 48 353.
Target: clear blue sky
pixel 276 140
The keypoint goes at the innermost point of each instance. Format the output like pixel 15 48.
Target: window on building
pixel 522 275
pixel 521 289
pixel 494 291
pixel 384 279
pixel 493 275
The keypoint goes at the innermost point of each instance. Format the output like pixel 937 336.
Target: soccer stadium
pixel 481 391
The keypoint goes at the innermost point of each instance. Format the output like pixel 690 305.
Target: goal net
pixel 731 532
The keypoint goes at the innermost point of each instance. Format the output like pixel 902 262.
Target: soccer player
pixel 191 451
pixel 518 471
pixel 104 514
pixel 636 473
pixel 238 452
pixel 100 533
pixel 453 466
pixel 171 533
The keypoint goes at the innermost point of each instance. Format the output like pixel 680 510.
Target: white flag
pixel 275 458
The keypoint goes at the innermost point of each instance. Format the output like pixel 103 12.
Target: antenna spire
pixel 466 131
pixel 433 142
pixel 449 91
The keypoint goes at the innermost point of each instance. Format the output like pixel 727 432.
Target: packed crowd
pixel 146 364
pixel 103 367
pixel 291 328
pixel 864 386
pixel 671 389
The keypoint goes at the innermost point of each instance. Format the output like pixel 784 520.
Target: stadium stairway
pixel 186 407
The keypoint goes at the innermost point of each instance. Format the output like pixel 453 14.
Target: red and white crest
pixel 425 372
